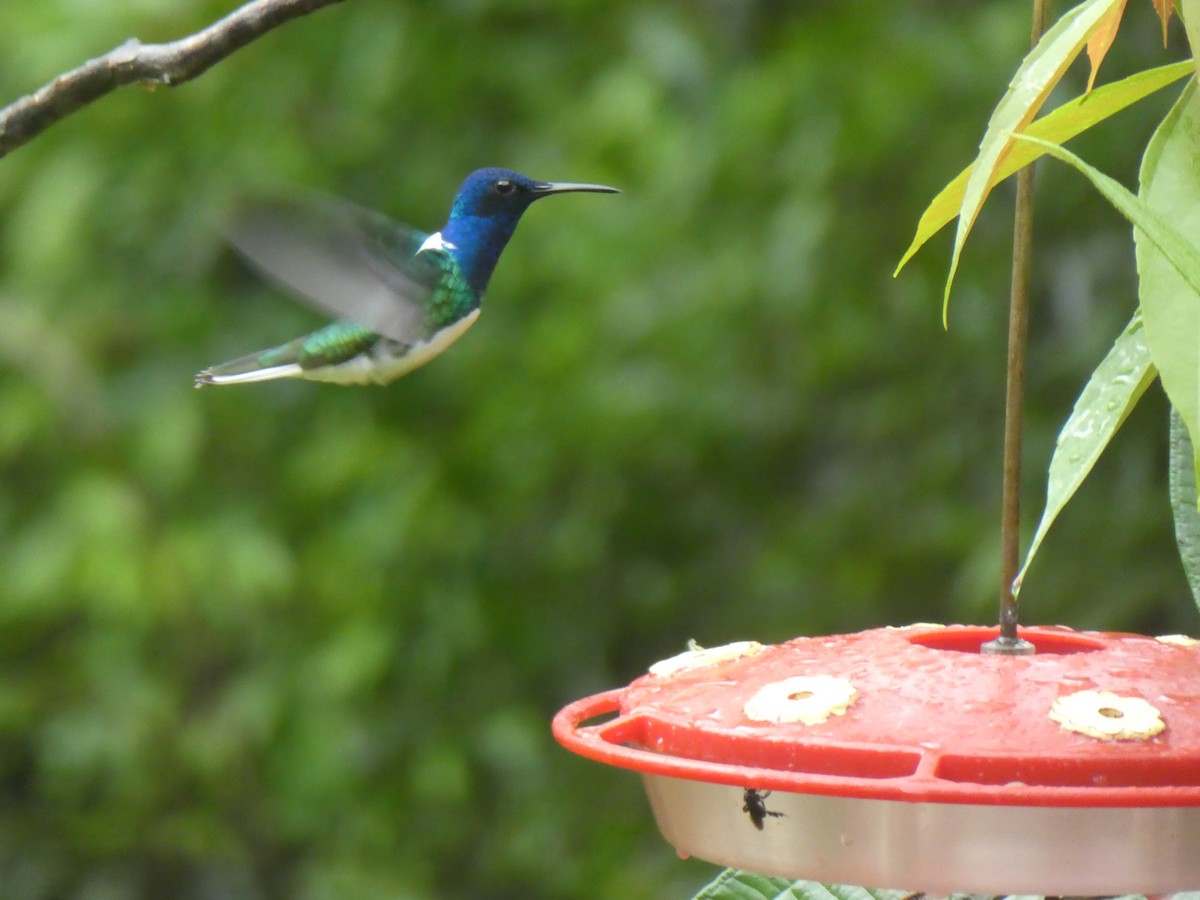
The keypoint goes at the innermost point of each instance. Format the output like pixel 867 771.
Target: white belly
pixel 365 369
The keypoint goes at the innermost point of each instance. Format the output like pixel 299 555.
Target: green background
pixel 296 640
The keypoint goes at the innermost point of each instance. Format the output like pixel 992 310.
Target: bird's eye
pixel 504 186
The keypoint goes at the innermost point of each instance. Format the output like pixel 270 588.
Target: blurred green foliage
pixel 303 641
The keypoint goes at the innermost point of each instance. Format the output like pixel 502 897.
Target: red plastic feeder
pixel 905 758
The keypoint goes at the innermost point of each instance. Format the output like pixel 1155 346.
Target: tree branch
pixel 169 64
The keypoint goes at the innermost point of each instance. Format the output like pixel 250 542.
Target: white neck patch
pixel 436 242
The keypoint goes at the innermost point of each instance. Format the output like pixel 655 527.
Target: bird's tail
pixel 251 368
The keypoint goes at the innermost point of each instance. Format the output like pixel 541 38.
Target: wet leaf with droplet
pixel 1169 267
pixel 1184 502
pixel 1110 394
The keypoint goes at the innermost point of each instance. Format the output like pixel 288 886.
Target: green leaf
pixel 1106 401
pixel 1059 126
pixel 1169 292
pixel 1175 248
pixel 1037 75
pixel 735 884
pixel 1189 12
pixel 812 890
pixel 1183 501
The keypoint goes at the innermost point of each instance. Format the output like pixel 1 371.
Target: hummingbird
pixel 403 295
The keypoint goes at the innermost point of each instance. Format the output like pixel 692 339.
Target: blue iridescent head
pixel 485 213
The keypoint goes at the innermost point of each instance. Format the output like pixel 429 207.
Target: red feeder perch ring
pixel 905 758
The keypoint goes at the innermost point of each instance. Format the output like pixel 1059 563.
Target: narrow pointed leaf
pixel 1168 262
pixel 1106 401
pixel 1183 256
pixel 1037 75
pixel 1183 501
pixel 1059 126
pixel 1169 291
pixel 1164 8
pixel 1101 41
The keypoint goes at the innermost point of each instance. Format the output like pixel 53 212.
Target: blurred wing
pixel 343 259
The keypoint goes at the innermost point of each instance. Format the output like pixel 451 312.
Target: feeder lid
pixel 918 719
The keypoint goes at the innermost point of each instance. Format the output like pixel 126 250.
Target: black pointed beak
pixel 542 188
